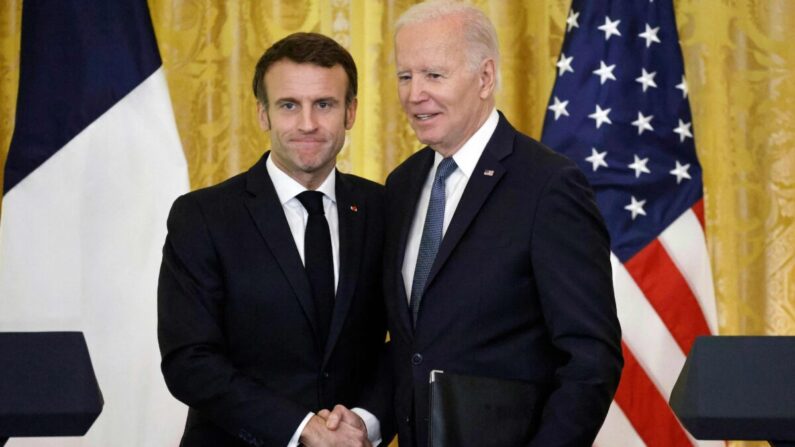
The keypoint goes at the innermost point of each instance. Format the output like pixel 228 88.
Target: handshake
pixel 339 427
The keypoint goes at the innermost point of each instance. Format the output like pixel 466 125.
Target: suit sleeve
pixel 377 389
pixel 377 395
pixel 197 370
pixel 571 261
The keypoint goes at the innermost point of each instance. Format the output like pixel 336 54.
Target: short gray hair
pixel 479 32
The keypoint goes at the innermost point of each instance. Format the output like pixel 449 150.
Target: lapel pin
pixel 354 208
pixel 489 172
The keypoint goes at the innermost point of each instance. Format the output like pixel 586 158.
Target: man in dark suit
pixel 496 257
pixel 270 297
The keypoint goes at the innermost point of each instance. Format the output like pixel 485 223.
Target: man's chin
pixel 316 167
pixel 426 139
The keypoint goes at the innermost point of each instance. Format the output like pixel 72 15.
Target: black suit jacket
pixel 520 289
pixel 236 320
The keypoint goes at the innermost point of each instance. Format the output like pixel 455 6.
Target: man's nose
pixel 308 121
pixel 417 91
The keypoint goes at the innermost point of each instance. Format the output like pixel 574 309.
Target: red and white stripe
pixel 665 299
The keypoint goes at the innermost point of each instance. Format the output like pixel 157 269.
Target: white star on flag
pixel 643 123
pixel 600 116
pixel 650 35
pixel 559 107
pixel 639 165
pixel 564 64
pixel 597 159
pixel 636 207
pixel 610 28
pixel 605 72
pixel 681 172
pixel 683 87
pixel 647 79
pixel 571 21
pixel 683 129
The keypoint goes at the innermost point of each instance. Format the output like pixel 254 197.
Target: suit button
pixel 416 359
pixel 408 419
pixel 325 374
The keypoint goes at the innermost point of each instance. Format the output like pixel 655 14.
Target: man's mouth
pixel 307 140
pixel 424 116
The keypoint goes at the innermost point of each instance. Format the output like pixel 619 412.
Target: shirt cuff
pixel 372 424
pixel 297 435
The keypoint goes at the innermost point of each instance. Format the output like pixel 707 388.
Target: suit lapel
pixel 351 211
pixel 488 172
pixel 408 196
pixel 267 212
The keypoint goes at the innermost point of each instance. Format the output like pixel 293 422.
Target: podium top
pixel 47 384
pixel 738 387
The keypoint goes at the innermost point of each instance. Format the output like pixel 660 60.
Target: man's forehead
pixel 289 72
pixel 428 55
pixel 414 41
pixel 287 64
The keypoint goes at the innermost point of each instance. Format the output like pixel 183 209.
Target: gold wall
pixel 740 63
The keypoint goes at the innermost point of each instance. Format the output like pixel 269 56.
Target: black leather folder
pixel 470 411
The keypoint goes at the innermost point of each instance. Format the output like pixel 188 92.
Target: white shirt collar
pixel 287 188
pixel 467 157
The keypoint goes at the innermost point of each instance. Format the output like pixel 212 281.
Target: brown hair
pixel 306 48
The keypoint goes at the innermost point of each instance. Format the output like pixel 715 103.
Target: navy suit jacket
pixel 520 289
pixel 236 319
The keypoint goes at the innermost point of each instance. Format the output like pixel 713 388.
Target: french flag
pixel 93 167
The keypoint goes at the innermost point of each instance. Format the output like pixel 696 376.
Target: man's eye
pixel 287 106
pixel 324 105
pixel 404 77
pixel 434 75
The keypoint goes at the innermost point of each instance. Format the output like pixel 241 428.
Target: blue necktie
pixel 318 260
pixel 431 234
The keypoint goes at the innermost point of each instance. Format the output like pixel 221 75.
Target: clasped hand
pixel 340 427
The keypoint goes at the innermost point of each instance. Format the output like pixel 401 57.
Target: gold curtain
pixel 739 60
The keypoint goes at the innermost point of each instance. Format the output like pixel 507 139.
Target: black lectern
pixel 47 385
pixel 738 388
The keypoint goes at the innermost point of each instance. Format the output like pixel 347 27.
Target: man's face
pixel 307 118
pixel 444 97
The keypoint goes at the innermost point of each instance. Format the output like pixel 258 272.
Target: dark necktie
pixel 318 260
pixel 431 234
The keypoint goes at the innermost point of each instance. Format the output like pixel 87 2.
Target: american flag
pixel 620 109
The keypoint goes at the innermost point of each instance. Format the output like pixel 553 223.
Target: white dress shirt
pixel 466 158
pixel 287 190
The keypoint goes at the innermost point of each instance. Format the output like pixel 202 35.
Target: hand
pixel 339 415
pixel 316 434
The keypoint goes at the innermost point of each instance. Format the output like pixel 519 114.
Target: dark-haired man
pixel 269 302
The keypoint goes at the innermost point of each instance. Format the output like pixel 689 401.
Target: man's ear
pixel 488 78
pixel 262 117
pixel 350 114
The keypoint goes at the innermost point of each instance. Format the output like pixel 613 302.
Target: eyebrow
pixel 330 99
pixel 425 70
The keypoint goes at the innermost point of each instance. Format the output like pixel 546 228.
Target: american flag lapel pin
pixel 354 208
pixel 489 172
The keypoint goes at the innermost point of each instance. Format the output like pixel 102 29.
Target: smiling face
pixel 307 118
pixel 445 97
